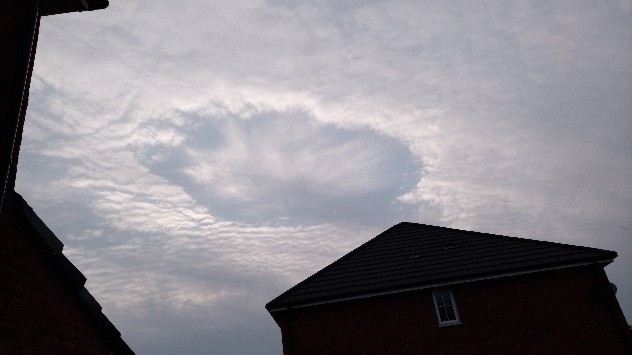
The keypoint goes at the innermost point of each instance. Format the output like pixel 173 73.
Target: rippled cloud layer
pixel 197 159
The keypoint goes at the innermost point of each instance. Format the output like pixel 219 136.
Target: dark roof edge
pixel 581 247
pixel 55 7
pixel 310 303
pixel 608 254
pixel 46 235
pixel 72 277
pixel 608 258
pixel 344 257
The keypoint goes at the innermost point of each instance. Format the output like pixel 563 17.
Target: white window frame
pixel 437 305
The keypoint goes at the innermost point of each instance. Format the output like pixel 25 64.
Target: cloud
pixel 286 165
pixel 159 287
pixel 198 158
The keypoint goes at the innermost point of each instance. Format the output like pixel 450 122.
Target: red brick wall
pixel 545 313
pixel 38 313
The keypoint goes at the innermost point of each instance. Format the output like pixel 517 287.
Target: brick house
pixel 417 289
pixel 44 306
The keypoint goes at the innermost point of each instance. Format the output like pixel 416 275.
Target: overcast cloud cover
pixel 198 158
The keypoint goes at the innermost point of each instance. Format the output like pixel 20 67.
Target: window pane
pixel 447 300
pixel 440 295
pixel 443 314
pixel 440 298
pixel 450 313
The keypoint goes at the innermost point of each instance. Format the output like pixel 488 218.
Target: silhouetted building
pixel 44 306
pixel 419 289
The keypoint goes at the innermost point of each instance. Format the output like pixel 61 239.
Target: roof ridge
pixel 524 239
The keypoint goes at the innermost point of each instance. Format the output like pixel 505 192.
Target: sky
pixel 198 158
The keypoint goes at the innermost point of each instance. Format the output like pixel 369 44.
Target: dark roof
pixel 410 256
pixel 72 278
pixel 54 7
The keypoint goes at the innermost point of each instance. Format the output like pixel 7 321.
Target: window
pixel 445 306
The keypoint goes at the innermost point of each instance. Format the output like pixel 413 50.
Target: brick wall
pixel 558 312
pixel 39 311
